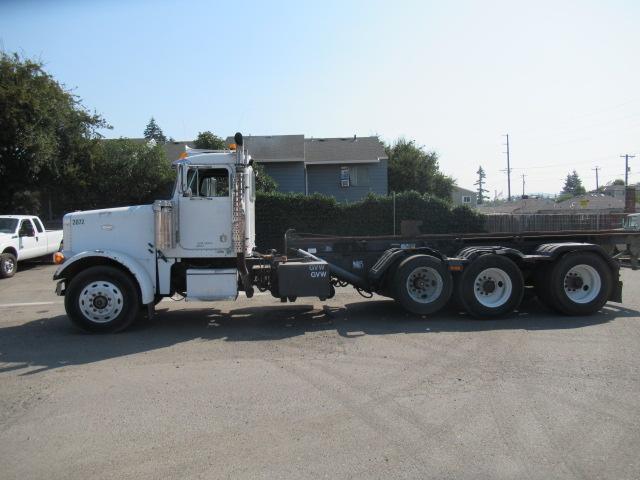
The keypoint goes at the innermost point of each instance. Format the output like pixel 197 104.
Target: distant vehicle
pixel 631 222
pixel 23 237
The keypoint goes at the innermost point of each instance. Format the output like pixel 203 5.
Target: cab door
pixel 205 210
pixel 28 241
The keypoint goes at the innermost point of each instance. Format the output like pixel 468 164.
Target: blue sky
pixel 561 77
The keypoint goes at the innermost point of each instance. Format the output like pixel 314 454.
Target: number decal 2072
pixel 77 221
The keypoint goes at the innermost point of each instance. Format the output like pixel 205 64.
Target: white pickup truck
pixel 23 237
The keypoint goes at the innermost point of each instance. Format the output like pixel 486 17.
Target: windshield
pixel 8 225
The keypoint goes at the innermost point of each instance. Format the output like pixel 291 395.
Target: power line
pixel 508 169
pixel 596 169
pixel 626 167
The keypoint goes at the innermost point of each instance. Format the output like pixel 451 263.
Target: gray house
pixel 345 168
pixel 463 196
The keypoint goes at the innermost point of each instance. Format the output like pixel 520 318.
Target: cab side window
pixel 39 226
pixel 208 182
pixel 26 229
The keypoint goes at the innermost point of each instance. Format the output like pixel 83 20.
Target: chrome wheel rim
pixel 582 283
pixel 100 301
pixel 9 265
pixel 424 285
pixel 492 287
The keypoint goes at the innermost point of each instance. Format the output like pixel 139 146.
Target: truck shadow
pixel 50 343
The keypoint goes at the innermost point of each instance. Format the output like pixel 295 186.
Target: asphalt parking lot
pixel 348 388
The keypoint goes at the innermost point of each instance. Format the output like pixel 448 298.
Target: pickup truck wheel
pixel 491 286
pixel 423 285
pixel 580 283
pixel 102 299
pixel 8 265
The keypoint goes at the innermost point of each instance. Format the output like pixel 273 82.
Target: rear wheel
pixel 102 299
pixel 422 284
pixel 491 286
pixel 580 283
pixel 8 265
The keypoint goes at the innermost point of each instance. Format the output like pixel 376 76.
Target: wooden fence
pixel 537 222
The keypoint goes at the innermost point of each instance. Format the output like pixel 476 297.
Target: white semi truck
pixel 118 263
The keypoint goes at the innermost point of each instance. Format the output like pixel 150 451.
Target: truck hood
pixel 5 237
pixel 126 229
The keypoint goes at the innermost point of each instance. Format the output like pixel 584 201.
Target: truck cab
pixel 194 244
pixel 631 222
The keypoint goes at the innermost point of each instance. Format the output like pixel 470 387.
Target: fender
pixel 395 255
pixel 554 250
pixel 147 289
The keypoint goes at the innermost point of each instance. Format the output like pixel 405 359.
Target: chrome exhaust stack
pixel 239 215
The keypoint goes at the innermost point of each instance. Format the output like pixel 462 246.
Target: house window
pixel 360 176
pixel 466 199
pixel 354 176
pixel 344 177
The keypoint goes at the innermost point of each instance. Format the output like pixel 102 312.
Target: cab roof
pixel 208 157
pixel 18 217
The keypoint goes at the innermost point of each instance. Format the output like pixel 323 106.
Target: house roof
pixel 523 205
pixel 172 149
pixel 460 189
pixel 274 148
pixel 591 201
pixel 343 150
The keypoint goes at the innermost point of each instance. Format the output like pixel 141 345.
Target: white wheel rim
pixel 582 283
pixel 9 265
pixel 424 285
pixel 100 301
pixel 492 287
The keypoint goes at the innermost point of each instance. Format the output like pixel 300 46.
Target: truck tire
pixel 491 286
pixel 8 265
pixel 580 283
pixel 422 284
pixel 102 299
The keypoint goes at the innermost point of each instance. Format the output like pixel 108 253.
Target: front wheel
pixel 491 286
pixel 8 265
pixel 102 299
pixel 422 284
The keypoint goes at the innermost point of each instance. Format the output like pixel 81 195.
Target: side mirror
pixel 188 193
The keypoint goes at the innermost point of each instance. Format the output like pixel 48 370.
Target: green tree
pixel 264 183
pixel 573 185
pixel 480 183
pixel 153 132
pixel 209 141
pixel 618 181
pixel 123 172
pixel 45 133
pixel 411 168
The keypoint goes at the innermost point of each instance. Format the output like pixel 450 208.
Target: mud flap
pixel 616 292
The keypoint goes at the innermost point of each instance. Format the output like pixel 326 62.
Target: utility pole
pixel 523 175
pixel 597 184
pixel 508 169
pixel 626 167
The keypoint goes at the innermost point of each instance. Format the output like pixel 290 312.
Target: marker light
pixel 232 146
pixel 183 155
pixel 58 258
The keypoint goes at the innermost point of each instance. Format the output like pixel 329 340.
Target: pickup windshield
pixel 8 225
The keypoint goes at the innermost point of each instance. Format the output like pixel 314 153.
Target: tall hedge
pixel 276 212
